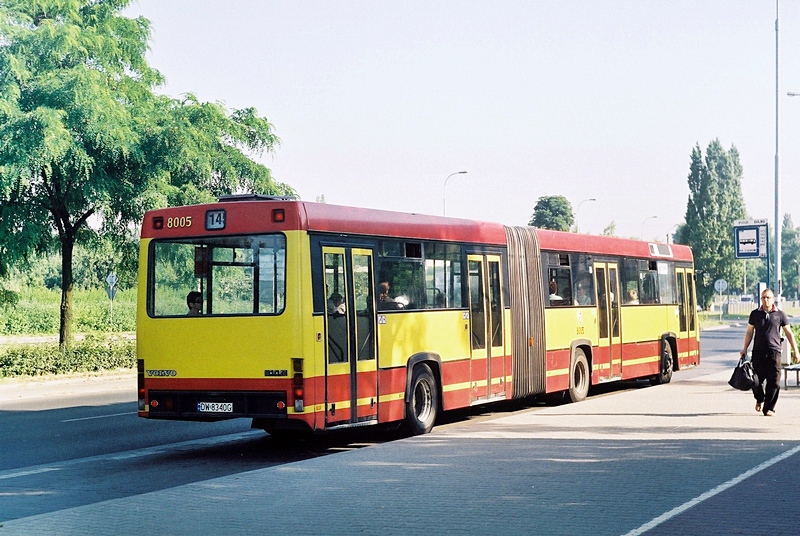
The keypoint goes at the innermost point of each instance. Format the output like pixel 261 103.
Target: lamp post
pixel 578 211
pixel 444 192
pixel 643 222
pixel 671 232
pixel 778 219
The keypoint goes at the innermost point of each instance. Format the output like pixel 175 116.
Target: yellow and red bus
pixel 312 316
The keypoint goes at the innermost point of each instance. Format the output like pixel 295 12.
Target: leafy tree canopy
pixel 83 134
pixel 715 202
pixel 611 229
pixel 552 212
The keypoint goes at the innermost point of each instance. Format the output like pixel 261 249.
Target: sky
pixel 377 103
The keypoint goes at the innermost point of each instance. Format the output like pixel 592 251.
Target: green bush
pixel 90 355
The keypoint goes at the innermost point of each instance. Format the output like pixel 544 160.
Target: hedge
pixel 90 355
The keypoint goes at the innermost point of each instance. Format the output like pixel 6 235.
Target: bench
pixel 791 368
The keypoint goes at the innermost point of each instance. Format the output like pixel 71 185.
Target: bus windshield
pixel 231 275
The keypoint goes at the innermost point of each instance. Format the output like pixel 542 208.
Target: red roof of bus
pixel 605 245
pixel 255 216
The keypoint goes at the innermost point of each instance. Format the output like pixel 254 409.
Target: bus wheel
pixel 579 377
pixel 422 406
pixel 666 365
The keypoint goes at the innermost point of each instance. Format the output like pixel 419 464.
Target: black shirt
pixel 767 330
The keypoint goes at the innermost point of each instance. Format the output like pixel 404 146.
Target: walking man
pixel 766 322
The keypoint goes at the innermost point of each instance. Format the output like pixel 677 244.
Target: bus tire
pixel 422 405
pixel 579 377
pixel 667 364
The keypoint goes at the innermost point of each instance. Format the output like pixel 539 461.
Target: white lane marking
pixel 99 416
pixel 710 493
pixel 136 453
pixel 26 473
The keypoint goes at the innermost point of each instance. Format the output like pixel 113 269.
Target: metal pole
pixel 444 192
pixel 778 222
pixel 578 211
pixel 643 222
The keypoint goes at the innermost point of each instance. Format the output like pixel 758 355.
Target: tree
pixel 553 212
pixel 790 257
pixel 715 202
pixel 83 134
pixel 611 229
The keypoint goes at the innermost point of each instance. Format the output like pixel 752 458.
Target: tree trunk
pixel 65 330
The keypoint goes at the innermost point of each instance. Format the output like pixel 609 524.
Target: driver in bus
pixel 194 300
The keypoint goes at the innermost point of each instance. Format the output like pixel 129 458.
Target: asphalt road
pixel 616 464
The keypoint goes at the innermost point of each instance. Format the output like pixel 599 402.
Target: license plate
pixel 215 407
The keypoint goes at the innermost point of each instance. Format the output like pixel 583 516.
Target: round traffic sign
pixel 720 285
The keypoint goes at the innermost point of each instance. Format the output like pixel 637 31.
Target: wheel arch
pixel 671 338
pixel 586 346
pixel 434 361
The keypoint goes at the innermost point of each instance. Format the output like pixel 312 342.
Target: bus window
pixel 496 304
pixel 681 302
pixel 442 276
pixel 405 274
pixel 237 275
pixel 666 282
pixel 477 314
pixel 648 282
pixel 336 289
pixel 583 289
pixel 559 286
pixel 692 307
pixel 602 302
pixel 365 317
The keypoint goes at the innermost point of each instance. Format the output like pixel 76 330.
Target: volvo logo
pixel 162 373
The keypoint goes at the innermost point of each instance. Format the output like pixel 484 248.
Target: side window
pixel 442 276
pixel 583 286
pixel 401 279
pixel 692 306
pixel 558 280
pixel 681 301
pixel 666 282
pixel 648 282
pixel 629 275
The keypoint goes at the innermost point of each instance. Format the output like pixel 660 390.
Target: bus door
pixel 487 352
pixel 608 360
pixel 351 381
pixel 687 314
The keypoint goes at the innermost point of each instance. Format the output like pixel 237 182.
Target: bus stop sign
pixel 750 239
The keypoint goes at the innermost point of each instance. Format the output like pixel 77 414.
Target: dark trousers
pixel 767 368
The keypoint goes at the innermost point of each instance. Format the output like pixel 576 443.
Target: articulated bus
pixel 312 316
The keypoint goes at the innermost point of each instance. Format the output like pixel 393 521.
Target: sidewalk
pixel 489 476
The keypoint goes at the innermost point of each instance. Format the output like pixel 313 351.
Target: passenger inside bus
pixel 386 303
pixel 582 295
pixel 336 304
pixel 555 299
pixel 194 300
pixel 632 297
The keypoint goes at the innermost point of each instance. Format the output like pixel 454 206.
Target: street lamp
pixel 444 192
pixel 578 211
pixel 671 232
pixel 644 220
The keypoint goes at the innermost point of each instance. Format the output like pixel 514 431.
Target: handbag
pixel 743 377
